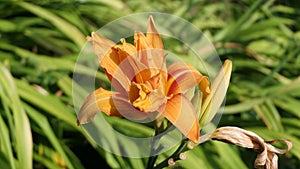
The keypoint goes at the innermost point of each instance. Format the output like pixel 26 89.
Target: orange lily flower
pixel 145 88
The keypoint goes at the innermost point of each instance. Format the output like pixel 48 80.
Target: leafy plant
pixel 39 43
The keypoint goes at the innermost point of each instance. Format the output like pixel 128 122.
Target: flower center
pixel 145 96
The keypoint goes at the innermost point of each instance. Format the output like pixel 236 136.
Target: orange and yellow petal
pixel 116 75
pixel 182 77
pixel 144 54
pixel 101 45
pixel 181 113
pixel 99 100
pixel 140 41
pixel 110 103
pixel 204 86
pixel 121 74
pixel 109 60
pixel 144 99
pixel 155 42
pixel 124 50
pixel 153 36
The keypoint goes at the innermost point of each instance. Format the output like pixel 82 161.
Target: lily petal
pixel 115 74
pixel 148 55
pixel 122 73
pixel 110 103
pixel 99 100
pixel 182 77
pixel 214 100
pixel 131 70
pixel 101 45
pixel 155 41
pixel 181 113
pixel 144 50
pixel 124 50
pixel 109 58
pixel 153 36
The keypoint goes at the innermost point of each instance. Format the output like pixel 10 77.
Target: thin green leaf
pixel 229 161
pixel 231 30
pixel 4 161
pixel 196 158
pixel 242 107
pixel 7 26
pixel 44 125
pixel 289 104
pixel 5 145
pixel 46 161
pixel 269 115
pixel 45 63
pixel 22 127
pixel 48 103
pixel 71 31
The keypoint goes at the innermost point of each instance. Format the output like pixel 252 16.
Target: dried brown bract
pixel 266 159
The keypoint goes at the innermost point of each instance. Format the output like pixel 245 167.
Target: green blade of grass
pixel 45 63
pixel 242 106
pixel 233 160
pixel 57 45
pixel 68 29
pixel 196 158
pixel 44 125
pixel 47 158
pixel 254 31
pixel 269 115
pixel 7 26
pixel 22 127
pixel 5 145
pixel 288 104
pixel 48 103
pixel 291 125
pixel 4 161
pixel 231 30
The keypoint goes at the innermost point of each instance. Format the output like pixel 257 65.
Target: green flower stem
pixel 159 127
pixel 151 162
pixel 175 156
pixel 154 150
pixel 184 146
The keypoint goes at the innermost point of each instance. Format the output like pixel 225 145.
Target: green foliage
pixel 39 43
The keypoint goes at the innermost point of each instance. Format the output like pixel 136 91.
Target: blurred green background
pixel 39 44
